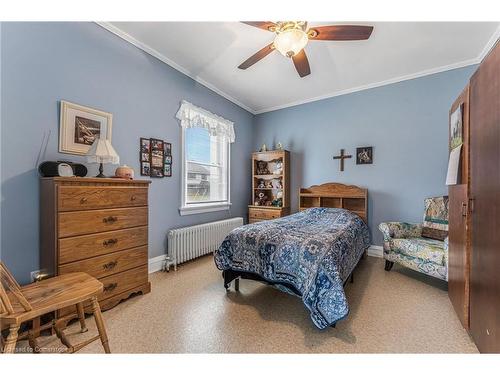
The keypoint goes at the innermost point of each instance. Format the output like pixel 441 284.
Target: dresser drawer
pixel 95 221
pixel 263 214
pixel 72 249
pixel 106 265
pixel 114 285
pixel 123 281
pixel 74 198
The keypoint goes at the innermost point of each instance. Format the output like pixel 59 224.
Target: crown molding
pixel 386 82
pixel 127 37
pixel 489 45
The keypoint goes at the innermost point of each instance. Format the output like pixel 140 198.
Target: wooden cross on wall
pixel 342 157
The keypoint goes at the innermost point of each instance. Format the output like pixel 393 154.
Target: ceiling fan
pixel 292 36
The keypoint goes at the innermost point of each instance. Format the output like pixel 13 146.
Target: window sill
pixel 203 208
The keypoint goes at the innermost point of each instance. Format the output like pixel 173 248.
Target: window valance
pixel 191 116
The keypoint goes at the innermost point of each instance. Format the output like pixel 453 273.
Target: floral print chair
pixel 421 247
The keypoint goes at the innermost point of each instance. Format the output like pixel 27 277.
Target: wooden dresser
pixel 98 226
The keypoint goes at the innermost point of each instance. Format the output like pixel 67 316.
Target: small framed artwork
pixel 167 170
pixel 157 172
pixel 364 155
pixel 168 148
pixel 456 132
pixel 145 151
pixel 157 153
pixel 80 126
pixel 155 157
pixel 145 169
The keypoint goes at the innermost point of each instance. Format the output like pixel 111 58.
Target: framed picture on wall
pixel 167 170
pixel 364 155
pixel 145 169
pixel 168 148
pixel 456 132
pixel 80 126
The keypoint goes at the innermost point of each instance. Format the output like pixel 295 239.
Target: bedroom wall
pixel 406 123
pixel 43 63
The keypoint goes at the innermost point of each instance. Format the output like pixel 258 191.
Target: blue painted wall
pixel 43 63
pixel 406 123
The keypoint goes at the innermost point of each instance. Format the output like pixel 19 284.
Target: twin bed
pixel 310 254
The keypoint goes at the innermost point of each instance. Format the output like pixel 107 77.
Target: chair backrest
pixel 435 223
pixel 10 290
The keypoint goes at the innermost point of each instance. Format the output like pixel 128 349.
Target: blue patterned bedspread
pixel 315 251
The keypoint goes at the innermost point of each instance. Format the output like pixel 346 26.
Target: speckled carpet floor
pixel 188 311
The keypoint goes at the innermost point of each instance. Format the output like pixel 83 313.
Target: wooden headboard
pixel 335 195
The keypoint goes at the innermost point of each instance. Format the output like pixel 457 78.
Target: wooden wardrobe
pixel 474 233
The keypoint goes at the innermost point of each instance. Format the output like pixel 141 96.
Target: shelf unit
pixel 277 208
pixel 331 195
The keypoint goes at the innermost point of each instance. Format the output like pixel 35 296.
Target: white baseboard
pixel 376 251
pixel 156 264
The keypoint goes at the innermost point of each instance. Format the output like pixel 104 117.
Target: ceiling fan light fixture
pixel 290 42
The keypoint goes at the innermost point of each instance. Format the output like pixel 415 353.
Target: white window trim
pixel 200 208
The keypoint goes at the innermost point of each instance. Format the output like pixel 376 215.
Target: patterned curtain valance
pixel 192 116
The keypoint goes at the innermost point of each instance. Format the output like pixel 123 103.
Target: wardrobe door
pixel 458 259
pixel 485 192
pixel 459 222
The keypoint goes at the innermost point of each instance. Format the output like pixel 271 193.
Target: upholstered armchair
pixel 421 247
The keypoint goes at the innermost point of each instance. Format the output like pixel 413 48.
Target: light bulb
pixel 290 42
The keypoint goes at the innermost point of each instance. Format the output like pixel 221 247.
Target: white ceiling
pixel 210 52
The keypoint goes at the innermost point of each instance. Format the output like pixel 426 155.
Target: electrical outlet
pixel 34 275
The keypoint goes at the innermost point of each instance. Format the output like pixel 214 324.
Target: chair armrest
pixel 397 229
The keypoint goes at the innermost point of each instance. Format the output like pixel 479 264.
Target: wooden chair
pixel 22 304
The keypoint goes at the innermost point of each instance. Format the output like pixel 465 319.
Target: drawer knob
pixel 83 200
pixel 110 219
pixel 111 241
pixel 110 265
pixel 133 198
pixel 110 287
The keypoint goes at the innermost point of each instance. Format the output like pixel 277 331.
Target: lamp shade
pixel 101 151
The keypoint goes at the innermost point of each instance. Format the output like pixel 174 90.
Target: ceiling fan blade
pixel 341 32
pixel 265 25
pixel 301 63
pixel 257 56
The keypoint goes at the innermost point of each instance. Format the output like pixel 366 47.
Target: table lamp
pixel 101 152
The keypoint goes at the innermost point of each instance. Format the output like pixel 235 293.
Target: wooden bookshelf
pixel 270 186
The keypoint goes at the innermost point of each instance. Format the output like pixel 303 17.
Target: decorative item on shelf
pixel 262 168
pixel 155 156
pixel 278 168
pixel 269 184
pixel 124 171
pixel 102 152
pixel 263 148
pixel 261 199
pixel 279 146
pixel 364 155
pixel 80 126
pixel 277 184
pixel 278 201
pixel 261 184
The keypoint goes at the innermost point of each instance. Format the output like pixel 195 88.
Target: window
pixel 205 163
